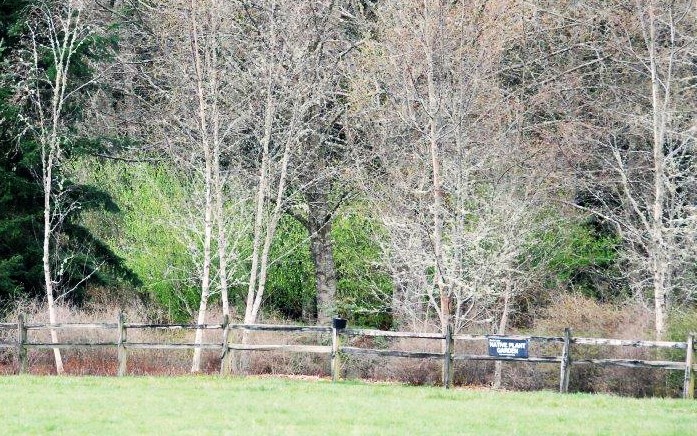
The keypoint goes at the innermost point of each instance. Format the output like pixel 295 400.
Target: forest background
pixel 490 164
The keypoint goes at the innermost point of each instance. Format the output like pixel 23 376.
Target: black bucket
pixel 339 323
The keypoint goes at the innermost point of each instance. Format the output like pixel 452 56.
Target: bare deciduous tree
pixel 626 118
pixel 196 76
pixel 302 51
pixel 448 131
pixel 58 34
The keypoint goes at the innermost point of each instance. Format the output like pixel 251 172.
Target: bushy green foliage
pixel 21 227
pixel 582 256
pixel 291 281
pixel 362 287
pixel 147 232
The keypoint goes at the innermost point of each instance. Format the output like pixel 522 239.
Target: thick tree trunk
pixel 222 236
pixel 319 225
pixel 206 274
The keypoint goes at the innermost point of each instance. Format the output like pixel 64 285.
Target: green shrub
pixel 362 287
pixel 151 199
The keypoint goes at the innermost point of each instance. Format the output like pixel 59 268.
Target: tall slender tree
pixel 61 41
pixel 57 34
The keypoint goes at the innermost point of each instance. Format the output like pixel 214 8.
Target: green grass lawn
pixel 214 405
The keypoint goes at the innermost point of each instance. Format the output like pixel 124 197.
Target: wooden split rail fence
pixel 335 350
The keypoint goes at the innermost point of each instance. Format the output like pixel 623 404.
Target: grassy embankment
pixel 213 405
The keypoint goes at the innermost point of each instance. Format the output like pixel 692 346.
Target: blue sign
pixel 506 347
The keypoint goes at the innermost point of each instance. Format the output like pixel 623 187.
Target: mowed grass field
pixel 251 406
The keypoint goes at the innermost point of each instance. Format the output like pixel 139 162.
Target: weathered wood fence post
pixel 448 357
pixel 225 355
pixel 565 370
pixel 688 390
pixel 336 358
pixel 21 345
pixel 122 352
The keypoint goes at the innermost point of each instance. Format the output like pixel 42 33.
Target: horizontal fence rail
pixel 629 343
pixel 336 349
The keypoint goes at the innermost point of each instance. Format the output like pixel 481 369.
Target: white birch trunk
pixel 270 232
pixel 257 275
pixel 220 219
pixel 659 261
pixel 63 36
pixel 262 187
pixel 208 212
pixel 48 279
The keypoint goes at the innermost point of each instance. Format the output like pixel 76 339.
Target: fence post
pixel 688 390
pixel 565 363
pixel 122 353
pixel 224 356
pixel 336 359
pixel 448 357
pixel 21 344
